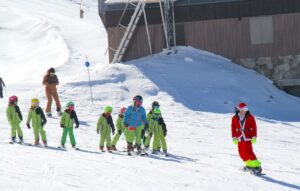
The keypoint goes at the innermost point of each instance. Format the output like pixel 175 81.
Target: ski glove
pixel 120 132
pixel 98 131
pixel 253 140
pixel 165 133
pixel 146 127
pixel 62 126
pixel 113 131
pixel 235 141
pixel 126 125
pixel 143 133
pixel 28 125
pixel 77 126
pixel 43 123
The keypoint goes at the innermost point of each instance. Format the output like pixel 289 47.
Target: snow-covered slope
pixel 197 91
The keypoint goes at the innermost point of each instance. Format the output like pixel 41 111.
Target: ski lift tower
pixel 169 23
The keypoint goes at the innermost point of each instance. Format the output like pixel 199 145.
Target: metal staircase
pixel 129 30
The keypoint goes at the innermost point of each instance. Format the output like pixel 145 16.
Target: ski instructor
pixel 1 88
pixel 134 121
pixel 50 82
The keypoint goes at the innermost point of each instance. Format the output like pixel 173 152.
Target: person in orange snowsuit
pixel 51 81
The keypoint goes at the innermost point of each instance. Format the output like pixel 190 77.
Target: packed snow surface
pixel 197 91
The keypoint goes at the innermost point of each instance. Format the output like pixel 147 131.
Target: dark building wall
pixel 138 46
pixel 231 37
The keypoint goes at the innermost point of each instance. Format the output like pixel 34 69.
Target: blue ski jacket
pixel 135 116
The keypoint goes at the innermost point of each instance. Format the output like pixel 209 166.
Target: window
pixel 261 30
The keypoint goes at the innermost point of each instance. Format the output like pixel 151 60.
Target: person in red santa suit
pixel 244 134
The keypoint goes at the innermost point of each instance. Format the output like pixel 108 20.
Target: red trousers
pixel 246 150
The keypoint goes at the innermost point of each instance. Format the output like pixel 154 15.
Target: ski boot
pixel 113 148
pixel 129 149
pixel 13 140
pixel 36 143
pixel 247 169
pixel 257 170
pixel 45 143
pixel 155 152
pixel 102 149
pixel 21 140
pixel 48 114
pixel 166 153
pixel 139 150
pixel 109 149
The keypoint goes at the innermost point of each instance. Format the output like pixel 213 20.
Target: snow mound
pixel 203 81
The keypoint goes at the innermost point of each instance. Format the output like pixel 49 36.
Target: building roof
pixel 117 5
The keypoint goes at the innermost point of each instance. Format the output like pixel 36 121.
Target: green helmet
pixel 70 103
pixel 108 109
pixel 156 111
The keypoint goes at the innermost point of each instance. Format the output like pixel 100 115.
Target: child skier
pixel 244 134
pixel 105 126
pixel 147 139
pixel 14 117
pixel 68 118
pixel 134 121
pixel 37 116
pixel 120 128
pixel 160 131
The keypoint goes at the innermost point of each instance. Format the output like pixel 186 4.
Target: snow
pixel 197 91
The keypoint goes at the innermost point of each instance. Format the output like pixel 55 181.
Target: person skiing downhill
pixel 1 88
pixel 50 81
pixel 105 127
pixel 120 128
pixel 37 116
pixel 244 134
pixel 68 118
pixel 150 132
pixel 14 117
pixel 134 121
pixel 156 122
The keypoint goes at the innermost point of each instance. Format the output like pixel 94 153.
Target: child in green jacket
pixel 14 117
pixel 150 130
pixel 120 128
pixel 105 126
pixel 160 131
pixel 37 116
pixel 68 118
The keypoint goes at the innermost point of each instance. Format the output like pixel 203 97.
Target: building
pixel 259 34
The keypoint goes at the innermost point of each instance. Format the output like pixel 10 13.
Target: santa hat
pixel 242 106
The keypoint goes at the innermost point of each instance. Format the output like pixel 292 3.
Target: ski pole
pixel 87 64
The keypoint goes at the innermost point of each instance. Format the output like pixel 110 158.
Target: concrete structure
pixel 259 34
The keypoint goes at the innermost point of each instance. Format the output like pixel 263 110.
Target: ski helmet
pixel 156 112
pixel 123 109
pixel 138 100
pixel 35 101
pixel 13 99
pixel 70 103
pixel 108 109
pixel 51 70
pixel 155 104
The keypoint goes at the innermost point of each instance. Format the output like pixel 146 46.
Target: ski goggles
pixel 35 104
